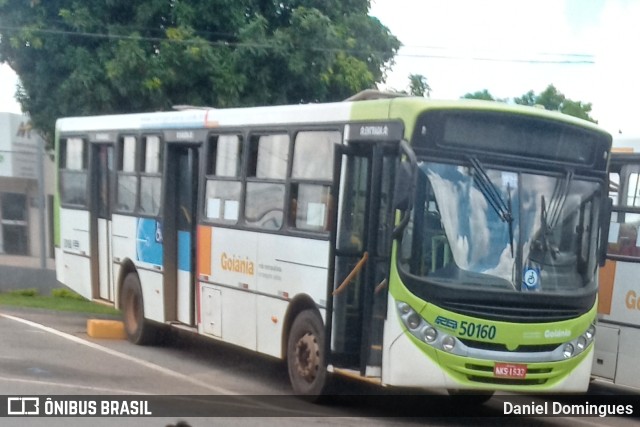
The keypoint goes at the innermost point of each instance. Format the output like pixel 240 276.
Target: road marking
pixel 220 390
pixel 126 357
pixel 72 386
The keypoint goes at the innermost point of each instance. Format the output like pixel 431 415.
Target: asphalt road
pixel 46 353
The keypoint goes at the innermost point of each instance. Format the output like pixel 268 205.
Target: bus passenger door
pixel 362 252
pixel 101 266
pixel 179 232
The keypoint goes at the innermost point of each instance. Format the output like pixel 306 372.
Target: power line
pixel 581 59
pixel 496 59
pixel 435 47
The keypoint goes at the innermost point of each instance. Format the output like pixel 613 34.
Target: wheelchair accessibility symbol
pixel 531 278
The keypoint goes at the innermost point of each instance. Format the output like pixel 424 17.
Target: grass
pixel 60 299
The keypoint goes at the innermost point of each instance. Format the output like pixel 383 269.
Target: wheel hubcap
pixel 307 358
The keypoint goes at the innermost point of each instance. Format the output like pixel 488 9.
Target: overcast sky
pixel 587 48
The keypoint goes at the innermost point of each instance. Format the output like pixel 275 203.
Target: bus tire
pixel 306 359
pixel 139 331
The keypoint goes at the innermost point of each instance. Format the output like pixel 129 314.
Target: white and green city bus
pixel 402 241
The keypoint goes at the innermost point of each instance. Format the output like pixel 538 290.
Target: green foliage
pixel 66 293
pixel 418 85
pixel 552 99
pixel 100 57
pixel 483 94
pixel 61 300
pixel 30 292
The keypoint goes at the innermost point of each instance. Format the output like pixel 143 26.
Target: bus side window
pixel 311 175
pixel 223 187
pixel 614 187
pixel 264 199
pixel 73 171
pixel 127 186
pixel 633 190
pixel 151 175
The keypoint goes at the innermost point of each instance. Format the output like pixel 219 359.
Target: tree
pixel 99 57
pixel 483 94
pixel 552 99
pixel 418 85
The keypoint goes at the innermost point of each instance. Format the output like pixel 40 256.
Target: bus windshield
pixel 483 227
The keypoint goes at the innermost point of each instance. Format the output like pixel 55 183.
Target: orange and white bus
pixel 618 341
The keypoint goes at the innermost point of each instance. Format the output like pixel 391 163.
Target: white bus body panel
pixel 213 118
pixel 125 241
pixel 618 331
pixel 211 311
pixel 124 238
pixel 606 352
pixel 152 294
pixel 256 275
pixel 184 297
pixel 403 364
pixel 76 262
pixel 627 372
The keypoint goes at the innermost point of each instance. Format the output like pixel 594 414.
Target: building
pixel 27 177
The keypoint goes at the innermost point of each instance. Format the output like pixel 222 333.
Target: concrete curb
pixel 109 329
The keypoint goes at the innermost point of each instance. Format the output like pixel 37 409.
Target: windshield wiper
pixel 493 196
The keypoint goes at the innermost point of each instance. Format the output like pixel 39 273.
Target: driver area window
pixel 425 248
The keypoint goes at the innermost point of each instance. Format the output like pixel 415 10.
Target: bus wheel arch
pixel 296 306
pixel 305 352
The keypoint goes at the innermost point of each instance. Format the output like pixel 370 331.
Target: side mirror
pixel 402 191
pixel 605 221
pixel 405 186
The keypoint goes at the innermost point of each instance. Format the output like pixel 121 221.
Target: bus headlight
pixel 567 351
pixel 577 345
pixel 590 333
pixel 430 334
pixel 417 326
pixel 448 343
pixel 404 308
pixel 413 320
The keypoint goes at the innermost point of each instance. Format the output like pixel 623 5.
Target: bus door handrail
pixel 351 275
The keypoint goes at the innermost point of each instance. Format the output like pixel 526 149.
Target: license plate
pixel 509 370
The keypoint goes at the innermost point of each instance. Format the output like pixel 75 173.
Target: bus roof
pixel 377 109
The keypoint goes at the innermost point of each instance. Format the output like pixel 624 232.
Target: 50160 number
pixel 477 330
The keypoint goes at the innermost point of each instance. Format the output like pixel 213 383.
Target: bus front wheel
pixel 305 356
pixel 139 331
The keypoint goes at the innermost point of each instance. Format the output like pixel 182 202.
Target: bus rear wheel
pixel 139 330
pixel 305 356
